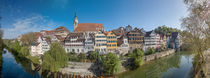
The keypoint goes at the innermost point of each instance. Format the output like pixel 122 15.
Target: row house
pixel 122 39
pixel 122 44
pixel 40 46
pixel 152 40
pixel 111 41
pixel 135 39
pixel 119 32
pixel 61 31
pixel 57 34
pixel 89 42
pixel 74 42
pixel 128 29
pixel 79 42
pixel 163 40
pixel 175 40
pixel 100 42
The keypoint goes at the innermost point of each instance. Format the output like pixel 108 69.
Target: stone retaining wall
pixel 77 68
pixel 158 55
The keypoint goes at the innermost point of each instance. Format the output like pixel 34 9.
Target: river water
pixel 177 65
pixel 14 67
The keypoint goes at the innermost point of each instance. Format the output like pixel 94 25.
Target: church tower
pixel 75 21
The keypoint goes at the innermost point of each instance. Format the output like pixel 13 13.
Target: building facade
pixel 123 45
pixel 128 28
pixel 111 42
pixel 135 39
pixel 61 31
pixel 151 40
pixel 163 40
pixel 89 42
pixel 100 43
pixel 176 40
pixel 74 42
pixel 39 47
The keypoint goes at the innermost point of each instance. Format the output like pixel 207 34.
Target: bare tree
pixel 197 29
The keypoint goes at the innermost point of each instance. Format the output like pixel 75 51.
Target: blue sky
pixel 22 16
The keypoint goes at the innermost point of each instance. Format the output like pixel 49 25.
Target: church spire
pixel 75 21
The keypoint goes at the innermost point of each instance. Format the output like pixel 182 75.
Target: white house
pixel 39 47
pixel 151 40
pixel 74 42
pixel 100 43
pixel 175 40
pixel 123 45
pixel 89 42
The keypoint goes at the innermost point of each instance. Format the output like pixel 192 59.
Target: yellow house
pixel 111 41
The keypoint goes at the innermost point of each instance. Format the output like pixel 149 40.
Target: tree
pixel 166 30
pixel 55 58
pixel 93 56
pixel 24 51
pixel 17 46
pixel 197 29
pixel 82 56
pixel 28 38
pixel 111 64
pixel 1 34
pixel 138 58
pixel 73 57
pixel 150 51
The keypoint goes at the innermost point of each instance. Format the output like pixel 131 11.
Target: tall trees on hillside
pixel 28 38
pixel 197 29
pixel 165 30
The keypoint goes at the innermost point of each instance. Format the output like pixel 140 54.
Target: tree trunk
pixel 55 75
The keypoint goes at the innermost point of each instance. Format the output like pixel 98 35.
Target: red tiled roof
pixel 61 28
pixel 106 32
pixel 82 27
pixel 50 32
pixel 119 32
pixel 37 34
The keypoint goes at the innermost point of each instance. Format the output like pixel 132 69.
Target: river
pixel 176 65
pixel 14 67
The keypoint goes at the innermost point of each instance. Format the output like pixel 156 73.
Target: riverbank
pixel 158 55
pixel 84 69
pixel 206 67
pixel 177 65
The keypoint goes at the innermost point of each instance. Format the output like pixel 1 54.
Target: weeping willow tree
pixel 196 32
pixel 55 58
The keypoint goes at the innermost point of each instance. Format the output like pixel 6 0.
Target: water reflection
pixel 14 67
pixel 174 66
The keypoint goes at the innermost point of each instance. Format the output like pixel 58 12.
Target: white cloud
pixel 34 23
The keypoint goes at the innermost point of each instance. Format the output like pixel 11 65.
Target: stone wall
pixel 158 55
pixel 77 68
